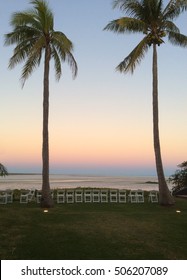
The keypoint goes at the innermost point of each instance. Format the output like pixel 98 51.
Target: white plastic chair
pixel 24 197
pixel 38 196
pixel 153 196
pixel 87 196
pixel 61 196
pixel 9 194
pixel 132 196
pixel 31 195
pixel 96 195
pixel 3 197
pixel 136 196
pixel 140 196
pixel 104 195
pixel 122 196
pixel 113 195
pixel 78 195
pixel 70 196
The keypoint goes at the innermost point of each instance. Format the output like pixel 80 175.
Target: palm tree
pixel 155 22
pixel 33 34
pixel 3 170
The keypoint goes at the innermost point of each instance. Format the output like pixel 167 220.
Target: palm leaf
pixel 57 63
pixel 171 11
pixel 3 170
pixel 25 47
pixel 43 15
pixel 33 60
pixel 170 26
pixel 59 38
pixel 63 48
pixel 72 63
pixel 135 57
pixel 174 9
pixel 131 7
pixel 27 18
pixel 177 39
pixel 31 64
pixel 126 24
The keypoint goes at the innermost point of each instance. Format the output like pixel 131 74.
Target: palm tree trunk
pixel 46 201
pixel 165 197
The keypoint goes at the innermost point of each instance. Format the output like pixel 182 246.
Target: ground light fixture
pixel 178 211
pixel 45 210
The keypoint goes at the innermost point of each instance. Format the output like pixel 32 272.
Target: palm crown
pixel 33 32
pixel 153 20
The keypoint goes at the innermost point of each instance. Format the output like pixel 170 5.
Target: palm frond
pixel 156 7
pixel 177 39
pixel 131 7
pixel 25 44
pixel 20 54
pixel 145 10
pixel 72 63
pixel 61 39
pixel 171 11
pixel 174 9
pixel 3 170
pixel 126 24
pixel 134 58
pixel 63 47
pixel 170 26
pixel 30 65
pixel 57 63
pixel 21 33
pixel 44 15
pixel 32 62
pixel 27 18
pixel 64 55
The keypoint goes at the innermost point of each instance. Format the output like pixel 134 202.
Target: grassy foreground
pixel 93 231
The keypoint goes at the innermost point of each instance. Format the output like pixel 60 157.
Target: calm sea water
pixel 73 181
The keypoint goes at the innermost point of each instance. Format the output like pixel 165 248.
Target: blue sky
pixel 101 122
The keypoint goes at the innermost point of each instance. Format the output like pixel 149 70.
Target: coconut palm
pixel 34 35
pixel 155 22
pixel 3 170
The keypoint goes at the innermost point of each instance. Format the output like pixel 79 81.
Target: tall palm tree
pixel 3 170
pixel 155 22
pixel 33 34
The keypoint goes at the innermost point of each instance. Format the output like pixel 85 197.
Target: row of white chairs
pixel 112 195
pixel 83 195
pixel 77 195
pixel 90 195
pixel 6 196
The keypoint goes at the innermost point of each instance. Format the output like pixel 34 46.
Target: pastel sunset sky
pixel 101 122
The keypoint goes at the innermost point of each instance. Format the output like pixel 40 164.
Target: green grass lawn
pixel 94 231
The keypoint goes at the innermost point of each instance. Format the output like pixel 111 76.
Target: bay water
pixel 28 181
